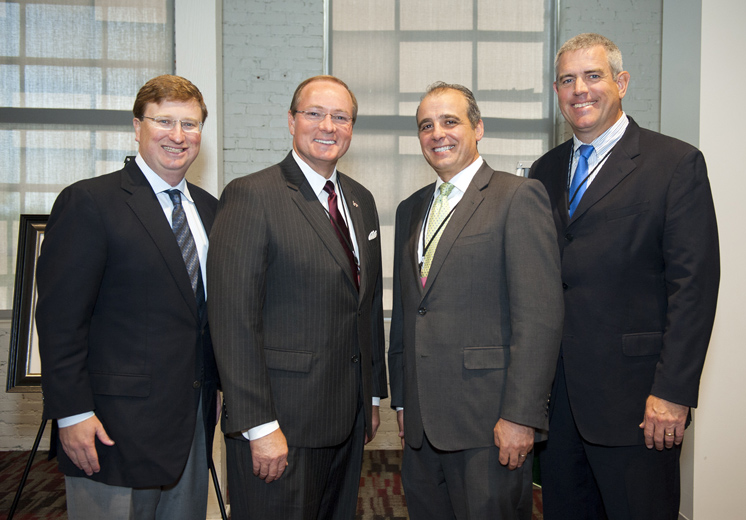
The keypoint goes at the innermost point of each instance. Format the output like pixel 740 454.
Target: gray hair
pixel 440 86
pixel 588 40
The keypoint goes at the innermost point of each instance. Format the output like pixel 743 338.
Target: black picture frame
pixel 24 367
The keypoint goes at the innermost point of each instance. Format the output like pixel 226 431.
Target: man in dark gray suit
pixel 640 265
pixel 476 323
pixel 296 298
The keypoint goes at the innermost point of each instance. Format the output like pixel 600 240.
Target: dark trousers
pixel 318 483
pixel 467 484
pixel 583 481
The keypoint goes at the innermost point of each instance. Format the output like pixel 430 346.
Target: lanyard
pixel 425 247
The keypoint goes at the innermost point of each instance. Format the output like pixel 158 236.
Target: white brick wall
pixel 635 26
pixel 269 47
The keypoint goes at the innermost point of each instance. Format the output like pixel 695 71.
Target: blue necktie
pixel 580 179
pixel 188 248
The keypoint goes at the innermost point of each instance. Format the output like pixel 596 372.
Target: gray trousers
pixel 185 499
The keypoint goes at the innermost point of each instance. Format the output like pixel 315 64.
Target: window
pixel 389 51
pixel 69 73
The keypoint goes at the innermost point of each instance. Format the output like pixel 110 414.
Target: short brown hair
pixel 167 88
pixel 333 79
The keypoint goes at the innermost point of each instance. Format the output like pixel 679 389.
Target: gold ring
pixel 669 434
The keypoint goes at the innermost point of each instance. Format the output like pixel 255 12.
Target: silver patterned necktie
pixel 188 248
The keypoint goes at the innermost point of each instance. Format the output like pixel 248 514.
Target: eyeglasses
pixel 187 125
pixel 315 116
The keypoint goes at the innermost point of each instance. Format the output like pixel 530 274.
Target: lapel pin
pixel 373 234
pixel 355 204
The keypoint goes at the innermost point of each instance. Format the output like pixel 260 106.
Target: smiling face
pixel 169 153
pixel 321 144
pixel 447 139
pixel 588 95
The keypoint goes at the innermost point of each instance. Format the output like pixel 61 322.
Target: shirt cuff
pixel 64 422
pixel 376 401
pixel 260 431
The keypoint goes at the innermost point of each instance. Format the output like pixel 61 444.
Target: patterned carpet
pixel 381 496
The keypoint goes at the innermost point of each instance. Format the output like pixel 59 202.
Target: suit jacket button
pixel 564 285
pixel 196 384
pixel 355 358
pixel 422 311
pixel 569 237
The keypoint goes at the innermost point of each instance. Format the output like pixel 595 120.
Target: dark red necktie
pixel 343 233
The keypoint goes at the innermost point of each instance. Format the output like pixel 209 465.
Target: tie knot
pixel 586 150
pixel 445 189
pixel 329 187
pixel 175 197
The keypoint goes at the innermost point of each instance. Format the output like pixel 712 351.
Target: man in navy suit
pixel 127 363
pixel 640 269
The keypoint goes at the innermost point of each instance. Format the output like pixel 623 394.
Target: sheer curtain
pixel 389 51
pixel 69 73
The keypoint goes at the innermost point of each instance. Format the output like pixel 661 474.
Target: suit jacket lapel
pixel 352 198
pixel 148 210
pixel 309 205
pixel 557 184
pixel 618 165
pixel 206 213
pixel 419 211
pixel 464 210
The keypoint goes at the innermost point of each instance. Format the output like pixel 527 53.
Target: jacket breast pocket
pixel 627 211
pixel 126 385
pixel 473 239
pixel 288 360
pixel 486 358
pixel 642 344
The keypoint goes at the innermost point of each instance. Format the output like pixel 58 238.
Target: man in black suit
pixel 476 323
pixel 127 363
pixel 295 294
pixel 640 268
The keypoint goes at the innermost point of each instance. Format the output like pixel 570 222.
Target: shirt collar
pixel 316 180
pixel 157 183
pixel 463 178
pixel 606 141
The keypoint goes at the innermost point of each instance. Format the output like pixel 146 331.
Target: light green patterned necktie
pixel 438 213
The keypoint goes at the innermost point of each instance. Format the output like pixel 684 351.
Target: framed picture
pixel 24 364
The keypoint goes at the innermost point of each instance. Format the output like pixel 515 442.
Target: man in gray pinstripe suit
pixel 295 304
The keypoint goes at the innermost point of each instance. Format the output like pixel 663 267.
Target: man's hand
pixel 270 456
pixel 375 423
pixel 79 442
pixel 664 423
pixel 514 441
pixel 400 422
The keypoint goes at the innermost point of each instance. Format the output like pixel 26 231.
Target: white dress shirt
pixel 602 146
